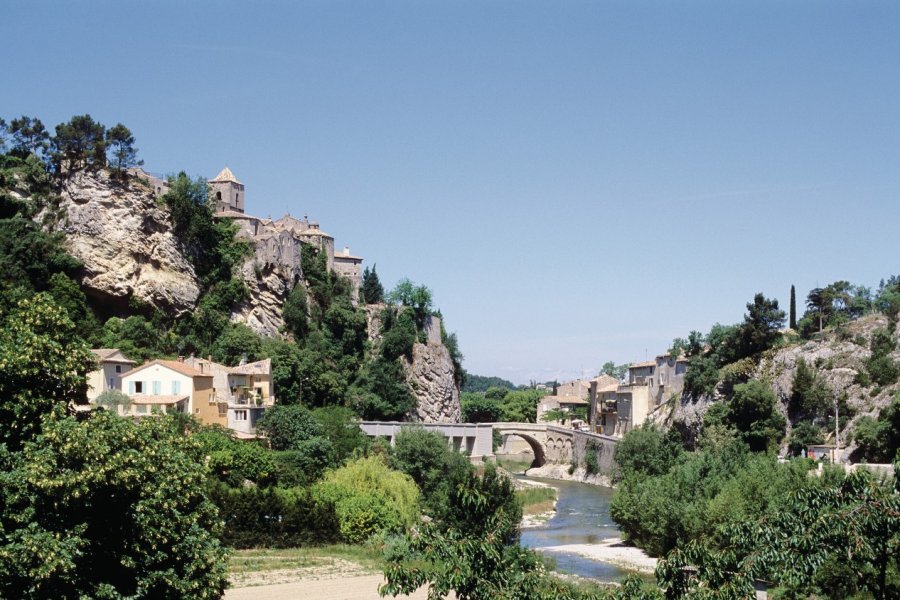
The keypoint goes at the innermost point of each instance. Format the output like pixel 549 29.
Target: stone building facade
pixel 277 244
pixel 227 191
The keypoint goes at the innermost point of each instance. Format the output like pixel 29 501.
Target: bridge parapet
pixel 473 439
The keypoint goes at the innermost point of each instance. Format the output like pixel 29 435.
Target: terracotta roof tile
pixel 175 365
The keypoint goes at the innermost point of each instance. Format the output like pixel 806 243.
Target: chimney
pixel 181 359
pixel 346 250
pixel 201 366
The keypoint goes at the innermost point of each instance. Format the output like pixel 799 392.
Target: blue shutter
pixel 131 387
pixel 176 387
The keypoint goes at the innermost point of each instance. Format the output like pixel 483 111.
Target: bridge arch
pixel 534 434
pixel 540 457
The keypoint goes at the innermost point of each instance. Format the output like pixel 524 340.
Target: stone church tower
pixel 227 191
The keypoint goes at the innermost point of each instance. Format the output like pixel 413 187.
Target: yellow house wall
pixel 203 403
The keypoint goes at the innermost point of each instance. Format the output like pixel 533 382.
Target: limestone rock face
pixel 123 237
pixel 268 289
pixel 270 275
pixel 430 377
pixel 429 374
pixel 836 359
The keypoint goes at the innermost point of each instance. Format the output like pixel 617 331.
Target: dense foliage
pixel 480 383
pixel 100 507
pixel 833 540
pixel 369 498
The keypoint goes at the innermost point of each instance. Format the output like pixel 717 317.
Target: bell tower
pixel 227 191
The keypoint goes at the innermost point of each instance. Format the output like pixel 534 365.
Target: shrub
pixel 591 465
pixel 274 517
pixel 646 451
pixel 368 498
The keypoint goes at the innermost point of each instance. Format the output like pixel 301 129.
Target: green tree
pixel 753 413
pixel 426 457
pixel 372 290
pixel 236 343
pixel 476 408
pixel 340 426
pixel 43 364
pixel 29 136
pixel 645 451
pixel 369 498
pixel 108 508
pixel 295 312
pixel 761 325
pixel 792 320
pixel 878 440
pixel 112 399
pixel 520 406
pixel 287 369
pixel 233 461
pixel 120 146
pixel 287 426
pixel 610 368
pixel 810 395
pixel 855 521
pixel 803 435
pixel 880 365
pixel 78 144
pixel 383 393
pixel 496 393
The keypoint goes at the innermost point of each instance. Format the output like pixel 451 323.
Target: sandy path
pixel 360 587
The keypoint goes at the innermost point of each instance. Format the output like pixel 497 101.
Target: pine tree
pixel 793 318
pixel 373 291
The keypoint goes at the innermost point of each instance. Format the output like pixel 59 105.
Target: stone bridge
pixel 550 443
pixel 560 445
pixel 474 439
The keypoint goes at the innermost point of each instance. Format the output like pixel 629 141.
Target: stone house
pixel 649 385
pixel 570 397
pixel 603 413
pixel 162 386
pixel 245 391
pixel 111 365
pixel 350 267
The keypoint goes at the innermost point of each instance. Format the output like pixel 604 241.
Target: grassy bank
pixel 536 500
pixel 244 562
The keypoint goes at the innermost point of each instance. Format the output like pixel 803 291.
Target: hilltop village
pixel 276 243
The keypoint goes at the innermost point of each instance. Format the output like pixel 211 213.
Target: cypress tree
pixel 793 318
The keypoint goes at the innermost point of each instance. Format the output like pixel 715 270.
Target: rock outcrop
pixel 430 377
pixel 836 359
pixel 270 274
pixel 430 373
pixel 123 236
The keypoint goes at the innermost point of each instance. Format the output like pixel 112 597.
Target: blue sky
pixel 577 182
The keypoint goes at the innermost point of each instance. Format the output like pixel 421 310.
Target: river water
pixel 582 517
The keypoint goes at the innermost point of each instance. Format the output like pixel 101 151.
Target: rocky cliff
pixel 430 373
pixel 123 236
pixel 430 377
pixel 837 359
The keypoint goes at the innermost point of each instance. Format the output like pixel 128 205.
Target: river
pixel 582 517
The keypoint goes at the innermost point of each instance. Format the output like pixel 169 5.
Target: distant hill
pixel 479 383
